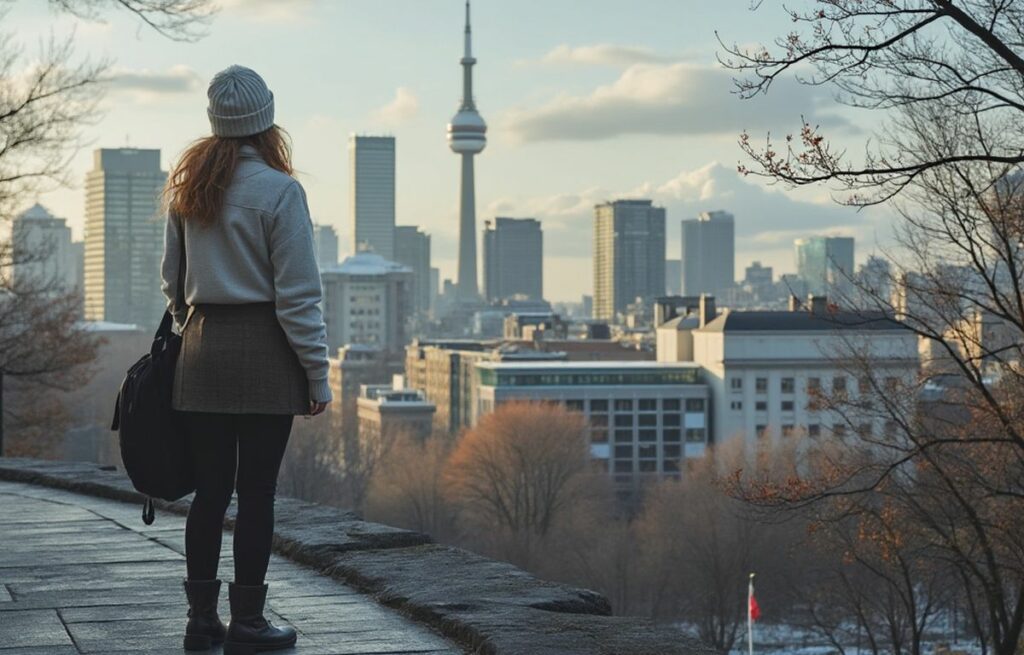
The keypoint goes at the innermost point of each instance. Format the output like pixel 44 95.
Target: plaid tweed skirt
pixel 235 359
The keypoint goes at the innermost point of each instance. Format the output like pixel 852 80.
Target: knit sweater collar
pixel 249 152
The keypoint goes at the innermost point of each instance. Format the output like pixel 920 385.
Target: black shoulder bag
pixel 153 446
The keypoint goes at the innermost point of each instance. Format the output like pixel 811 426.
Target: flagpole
pixel 750 618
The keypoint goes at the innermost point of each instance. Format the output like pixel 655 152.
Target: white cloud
pixel 402 107
pixel 668 99
pixel 766 219
pixel 267 11
pixel 145 85
pixel 602 54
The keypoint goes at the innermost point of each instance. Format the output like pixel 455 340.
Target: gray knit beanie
pixel 240 103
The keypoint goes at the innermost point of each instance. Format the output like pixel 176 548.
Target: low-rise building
pixel 355 366
pixel 767 371
pixel 386 412
pixel 643 418
pixel 446 371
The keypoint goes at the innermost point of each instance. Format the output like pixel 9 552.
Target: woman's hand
pixel 316 407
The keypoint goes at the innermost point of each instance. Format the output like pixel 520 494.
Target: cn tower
pixel 467 136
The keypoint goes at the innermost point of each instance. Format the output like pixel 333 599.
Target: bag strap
pixel 167 323
pixel 179 300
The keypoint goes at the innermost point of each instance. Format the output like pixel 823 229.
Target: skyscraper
pixel 372 193
pixel 629 255
pixel 674 277
pixel 42 254
pixel 326 238
pixel 825 264
pixel 124 236
pixel 513 259
pixel 412 250
pixel 709 253
pixel 467 137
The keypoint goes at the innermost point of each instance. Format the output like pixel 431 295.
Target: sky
pixel 585 100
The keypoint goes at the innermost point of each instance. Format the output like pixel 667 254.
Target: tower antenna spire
pixel 469 35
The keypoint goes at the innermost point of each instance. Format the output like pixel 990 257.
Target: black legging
pixel 216 442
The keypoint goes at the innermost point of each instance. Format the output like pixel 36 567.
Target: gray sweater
pixel 260 249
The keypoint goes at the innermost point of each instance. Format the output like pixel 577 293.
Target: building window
pixel 695 404
pixel 673 451
pixel 599 436
pixel 863 385
pixel 623 436
pixel 839 430
pixel 671 436
pixel 736 384
pixel 598 406
pixel 761 385
pixel 648 405
pixel 814 430
pixel 623 466
pixel 574 405
pixel 670 404
pixel 670 419
pixel 624 420
pixel 788 385
pixel 760 431
pixel 648 466
pixel 864 430
pixel 788 429
pixel 695 435
pixel 647 451
pixel 813 385
pixel 623 405
pixel 787 405
pixel 736 405
pixel 670 466
pixel 839 384
pixel 648 435
pixel 761 406
pixel 599 420
pixel 648 420
pixel 891 384
pixel 624 452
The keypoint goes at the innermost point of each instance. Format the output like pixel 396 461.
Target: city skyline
pixel 529 82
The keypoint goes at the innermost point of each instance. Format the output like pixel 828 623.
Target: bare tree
pixel 44 103
pixel 406 489
pixel 517 474
pixel 951 58
pixel 944 452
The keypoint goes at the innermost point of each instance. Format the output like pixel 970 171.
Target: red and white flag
pixel 753 609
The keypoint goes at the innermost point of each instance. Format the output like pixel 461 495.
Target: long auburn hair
pixel 195 188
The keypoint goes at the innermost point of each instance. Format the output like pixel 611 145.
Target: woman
pixel 254 349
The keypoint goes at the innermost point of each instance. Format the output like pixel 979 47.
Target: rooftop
pixel 588 366
pixel 36 212
pixel 367 263
pixel 802 321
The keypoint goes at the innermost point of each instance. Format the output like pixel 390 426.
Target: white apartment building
pixel 367 301
pixel 764 369
pixel 644 418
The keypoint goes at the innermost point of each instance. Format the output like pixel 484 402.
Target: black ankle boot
pixel 204 627
pixel 248 631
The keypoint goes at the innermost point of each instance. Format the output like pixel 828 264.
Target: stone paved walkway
pixel 84 575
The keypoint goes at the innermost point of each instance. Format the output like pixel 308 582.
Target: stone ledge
pixel 489 607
